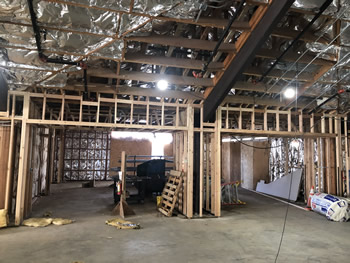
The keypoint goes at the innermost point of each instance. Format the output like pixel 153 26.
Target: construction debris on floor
pixel 122 224
pixel 42 222
pixel 61 221
pixel 334 208
pixel 37 222
pixel 4 219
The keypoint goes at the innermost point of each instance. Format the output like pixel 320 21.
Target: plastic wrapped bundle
pixel 334 208
pixel 4 219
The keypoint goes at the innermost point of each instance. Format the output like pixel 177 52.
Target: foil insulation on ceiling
pixel 99 28
pixel 77 18
pixel 337 75
pixel 337 7
pixel 82 31
pixel 314 5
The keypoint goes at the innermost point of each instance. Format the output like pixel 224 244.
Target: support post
pixel 189 194
pixel 301 121
pixel 217 156
pixel 8 191
pixel 240 119
pixel 201 163
pixel 207 163
pixel 122 207
pixel 23 161
pixel 52 156
pixel 323 124
pixel 319 164
pixel 265 119
pixel 61 158
pixel 338 153
pixel 347 164
pixel 289 120
pixel 312 123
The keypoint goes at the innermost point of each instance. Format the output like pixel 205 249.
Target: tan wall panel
pixel 134 147
pixel 131 147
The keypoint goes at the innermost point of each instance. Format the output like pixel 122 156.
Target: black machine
pixel 150 178
pixel 154 171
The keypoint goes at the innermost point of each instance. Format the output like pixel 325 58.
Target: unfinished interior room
pixel 174 131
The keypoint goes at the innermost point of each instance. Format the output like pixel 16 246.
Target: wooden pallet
pixel 170 193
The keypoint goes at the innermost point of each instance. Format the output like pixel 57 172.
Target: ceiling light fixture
pixel 162 84
pixel 289 93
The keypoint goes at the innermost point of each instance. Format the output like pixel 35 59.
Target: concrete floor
pixel 249 233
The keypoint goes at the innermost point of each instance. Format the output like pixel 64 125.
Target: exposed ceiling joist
pixel 136 91
pixel 292 34
pixel 245 55
pixel 262 101
pixel 277 73
pixel 261 87
pixel 176 94
pixel 183 42
pixel 152 77
pixel 171 62
pixel 222 23
pixel 292 56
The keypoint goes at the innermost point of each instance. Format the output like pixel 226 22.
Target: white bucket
pixel 334 208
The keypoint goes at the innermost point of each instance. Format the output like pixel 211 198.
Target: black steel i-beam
pixel 245 55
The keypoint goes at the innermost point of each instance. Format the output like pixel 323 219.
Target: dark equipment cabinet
pixel 154 170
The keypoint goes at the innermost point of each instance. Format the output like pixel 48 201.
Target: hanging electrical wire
pixel 255 147
pixel 305 52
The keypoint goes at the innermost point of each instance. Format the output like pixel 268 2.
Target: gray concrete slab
pixel 248 233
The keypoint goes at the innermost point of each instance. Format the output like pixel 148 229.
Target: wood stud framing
pixel 230 120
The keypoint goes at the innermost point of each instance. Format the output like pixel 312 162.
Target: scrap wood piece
pixel 122 207
pixel 122 224
pixel 170 193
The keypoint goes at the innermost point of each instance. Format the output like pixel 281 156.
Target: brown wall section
pixel 4 153
pixel 231 161
pixel 261 163
pixel 133 147
pixel 244 163
pixel 168 149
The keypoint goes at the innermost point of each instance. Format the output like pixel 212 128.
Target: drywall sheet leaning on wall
pixel 281 186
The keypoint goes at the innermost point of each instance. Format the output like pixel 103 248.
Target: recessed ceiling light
pixel 289 93
pixel 162 84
